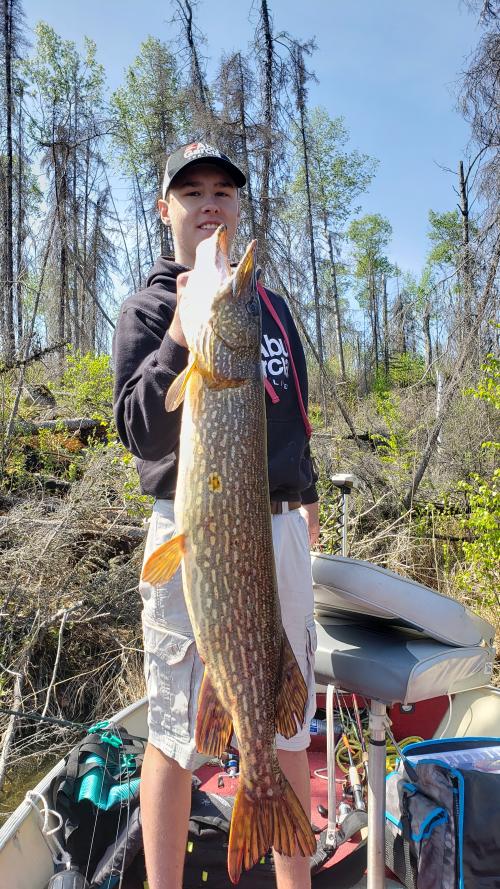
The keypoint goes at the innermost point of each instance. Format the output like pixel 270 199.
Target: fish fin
pixel 175 393
pixel 292 695
pixel 214 725
pixel 259 824
pixel 164 561
pixel 245 271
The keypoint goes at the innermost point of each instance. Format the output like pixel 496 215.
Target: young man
pixel 201 191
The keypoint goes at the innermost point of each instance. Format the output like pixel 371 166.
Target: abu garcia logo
pixel 275 359
pixel 200 148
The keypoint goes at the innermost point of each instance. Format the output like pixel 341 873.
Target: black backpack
pixel 88 830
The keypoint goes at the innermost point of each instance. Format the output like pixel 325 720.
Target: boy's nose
pixel 211 206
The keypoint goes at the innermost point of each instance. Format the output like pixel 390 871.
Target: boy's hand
pixel 175 330
pixel 310 511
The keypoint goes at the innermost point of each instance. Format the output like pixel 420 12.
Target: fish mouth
pixel 221 239
pixel 222 251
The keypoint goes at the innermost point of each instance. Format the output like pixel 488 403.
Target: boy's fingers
pixel 182 280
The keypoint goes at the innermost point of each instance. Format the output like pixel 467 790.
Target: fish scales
pixel 252 681
pixel 246 560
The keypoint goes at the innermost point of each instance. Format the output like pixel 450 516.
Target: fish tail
pixel 259 824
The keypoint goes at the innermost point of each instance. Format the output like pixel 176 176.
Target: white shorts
pixel 172 666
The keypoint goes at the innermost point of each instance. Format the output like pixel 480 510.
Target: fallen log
pixel 62 424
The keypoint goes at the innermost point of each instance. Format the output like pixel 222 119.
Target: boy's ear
pixel 163 210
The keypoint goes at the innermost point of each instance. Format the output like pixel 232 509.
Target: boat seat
pixel 354 587
pixel 392 639
pixel 393 665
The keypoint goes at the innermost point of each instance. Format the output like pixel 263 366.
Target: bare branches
pixel 455 379
pixel 70 608
pixel 35 356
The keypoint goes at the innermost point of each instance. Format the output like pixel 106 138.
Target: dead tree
pixel 8 260
pixel 455 380
pixel 299 81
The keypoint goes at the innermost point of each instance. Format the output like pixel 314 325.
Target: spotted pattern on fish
pixel 222 510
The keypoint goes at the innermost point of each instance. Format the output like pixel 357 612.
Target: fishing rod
pixel 65 723
pixel 355 781
pixel 361 736
pixel 37 717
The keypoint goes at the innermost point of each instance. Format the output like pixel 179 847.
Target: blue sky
pixel 389 68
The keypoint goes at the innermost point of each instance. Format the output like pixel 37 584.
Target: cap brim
pixel 234 171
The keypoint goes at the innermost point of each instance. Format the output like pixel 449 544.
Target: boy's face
pixel 202 197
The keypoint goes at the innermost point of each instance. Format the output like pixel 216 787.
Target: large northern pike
pixel 252 681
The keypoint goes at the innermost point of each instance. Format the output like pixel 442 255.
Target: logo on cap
pixel 198 149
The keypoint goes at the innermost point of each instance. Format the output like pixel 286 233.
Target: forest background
pixel 403 363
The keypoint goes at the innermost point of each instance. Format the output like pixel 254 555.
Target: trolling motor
pixel 345 482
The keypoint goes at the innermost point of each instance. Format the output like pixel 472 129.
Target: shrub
pixel 87 384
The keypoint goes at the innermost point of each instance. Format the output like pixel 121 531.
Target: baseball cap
pixel 199 153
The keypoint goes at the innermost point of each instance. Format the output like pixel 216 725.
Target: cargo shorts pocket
pixel 164 604
pixel 171 666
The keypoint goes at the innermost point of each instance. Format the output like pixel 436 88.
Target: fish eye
pixel 252 306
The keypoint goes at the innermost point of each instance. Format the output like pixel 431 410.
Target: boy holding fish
pixel 201 193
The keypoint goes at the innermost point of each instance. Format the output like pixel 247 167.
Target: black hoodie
pixel 147 360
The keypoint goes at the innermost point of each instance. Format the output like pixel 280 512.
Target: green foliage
pixel 369 237
pixel 59 74
pixel 406 369
pixel 446 235
pixel 488 387
pixel 482 552
pixel 88 384
pixel 337 176
pixel 148 112
pixel 394 444
pixel 315 415
pixel 137 504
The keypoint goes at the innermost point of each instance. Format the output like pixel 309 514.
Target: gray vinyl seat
pixel 391 639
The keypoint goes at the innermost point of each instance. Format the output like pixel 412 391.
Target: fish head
pixel 220 311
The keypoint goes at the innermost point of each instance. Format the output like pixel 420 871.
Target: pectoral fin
pixel 176 392
pixel 292 694
pixel 164 562
pixel 214 726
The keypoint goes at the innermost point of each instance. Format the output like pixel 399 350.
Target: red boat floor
pixel 423 719
pixel 209 776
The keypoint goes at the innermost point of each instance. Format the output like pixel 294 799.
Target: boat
pixel 422 662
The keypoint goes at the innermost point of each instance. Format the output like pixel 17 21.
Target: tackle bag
pixel 443 815
pixel 205 863
pixel 97 796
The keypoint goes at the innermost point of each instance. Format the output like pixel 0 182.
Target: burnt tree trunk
pixel 268 73
pixel 386 326
pixel 244 148
pixel 426 326
pixel 8 298
pixel 466 275
pixel 336 306
pixel 20 223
